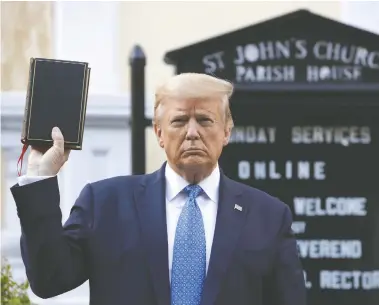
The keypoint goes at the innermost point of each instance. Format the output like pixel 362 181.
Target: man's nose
pixel 193 130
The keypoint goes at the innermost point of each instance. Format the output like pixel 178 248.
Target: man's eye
pixel 177 121
pixel 205 120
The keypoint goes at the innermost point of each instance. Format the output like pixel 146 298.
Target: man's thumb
pixel 58 140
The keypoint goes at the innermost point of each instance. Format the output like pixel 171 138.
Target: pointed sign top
pixel 300 47
pixel 300 22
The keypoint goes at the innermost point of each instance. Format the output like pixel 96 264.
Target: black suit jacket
pixel 116 238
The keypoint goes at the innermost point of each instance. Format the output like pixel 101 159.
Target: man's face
pixel 192 132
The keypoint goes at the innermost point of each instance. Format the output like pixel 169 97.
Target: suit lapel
pixel 150 203
pixel 230 220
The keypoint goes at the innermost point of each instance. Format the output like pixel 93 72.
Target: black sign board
pixel 306 110
pixel 300 47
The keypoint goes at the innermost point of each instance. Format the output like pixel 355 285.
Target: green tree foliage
pixel 12 293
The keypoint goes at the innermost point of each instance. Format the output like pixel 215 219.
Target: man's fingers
pixel 58 139
pixel 35 153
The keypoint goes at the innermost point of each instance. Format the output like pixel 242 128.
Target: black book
pixel 56 96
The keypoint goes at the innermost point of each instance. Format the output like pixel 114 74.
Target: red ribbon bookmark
pixel 20 159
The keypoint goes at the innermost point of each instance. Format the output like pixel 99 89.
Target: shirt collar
pixel 175 184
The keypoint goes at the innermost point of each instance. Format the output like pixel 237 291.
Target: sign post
pixel 306 109
pixel 137 62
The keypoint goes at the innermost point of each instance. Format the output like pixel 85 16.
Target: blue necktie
pixel 189 256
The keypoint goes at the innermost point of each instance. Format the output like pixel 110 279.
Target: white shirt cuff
pixel 23 180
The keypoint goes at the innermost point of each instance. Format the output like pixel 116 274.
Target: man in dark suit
pixel 183 235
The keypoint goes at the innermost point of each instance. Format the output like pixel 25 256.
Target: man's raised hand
pixel 48 163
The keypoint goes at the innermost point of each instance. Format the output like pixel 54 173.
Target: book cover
pixel 56 96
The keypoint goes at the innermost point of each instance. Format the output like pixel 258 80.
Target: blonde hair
pixel 195 86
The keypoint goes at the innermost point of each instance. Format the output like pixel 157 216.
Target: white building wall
pixel 89 31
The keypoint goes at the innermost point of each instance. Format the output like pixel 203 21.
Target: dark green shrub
pixel 12 293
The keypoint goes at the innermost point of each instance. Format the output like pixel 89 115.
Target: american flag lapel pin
pixel 238 207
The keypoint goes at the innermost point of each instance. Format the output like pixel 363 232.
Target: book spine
pixel 25 123
pixel 85 101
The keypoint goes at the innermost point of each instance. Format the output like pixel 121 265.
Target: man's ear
pixel 158 133
pixel 227 136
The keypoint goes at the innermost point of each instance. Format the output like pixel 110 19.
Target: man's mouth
pixel 193 151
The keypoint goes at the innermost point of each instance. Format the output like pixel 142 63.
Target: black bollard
pixel 137 62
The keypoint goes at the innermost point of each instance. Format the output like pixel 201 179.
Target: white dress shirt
pixel 23 180
pixel 176 199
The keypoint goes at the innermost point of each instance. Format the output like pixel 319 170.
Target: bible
pixel 56 96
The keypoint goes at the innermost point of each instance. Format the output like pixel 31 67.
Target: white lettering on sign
pixel 299 49
pixel 324 73
pixel 270 50
pixel 343 135
pixel 298 227
pixel 263 170
pixel 319 249
pixel 265 73
pixel 253 134
pixel 349 280
pixel 331 206
pixel 327 51
pixel 333 61
pixel 213 62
